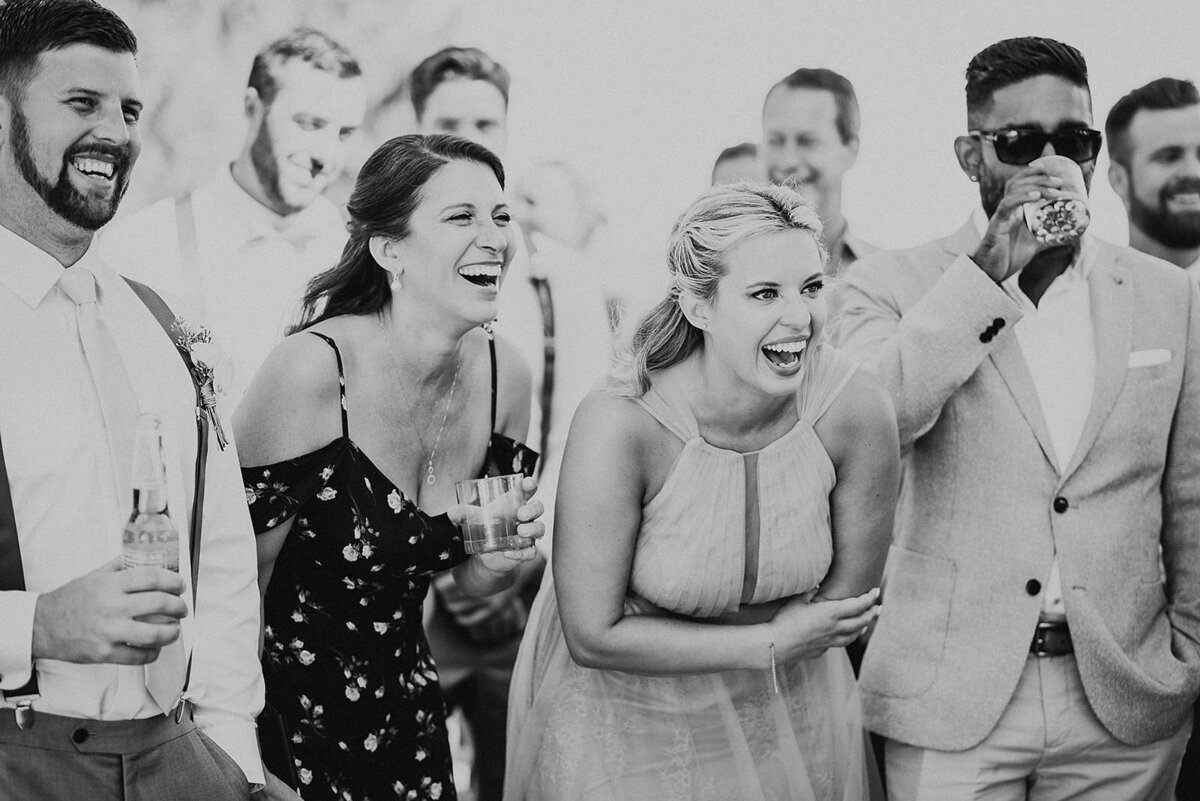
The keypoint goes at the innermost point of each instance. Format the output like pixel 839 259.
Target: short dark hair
pixel 837 85
pixel 29 28
pixel 388 189
pixel 1014 60
pixel 1159 95
pixel 451 64
pixel 312 47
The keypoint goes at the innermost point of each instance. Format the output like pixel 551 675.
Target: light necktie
pixel 119 409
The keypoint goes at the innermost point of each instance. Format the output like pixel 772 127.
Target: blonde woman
pixel 740 471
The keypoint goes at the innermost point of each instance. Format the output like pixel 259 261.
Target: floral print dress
pixel 345 657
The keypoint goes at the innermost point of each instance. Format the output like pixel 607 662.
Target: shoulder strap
pixel 337 354
pixel 189 254
pixel 166 318
pixel 12 572
pixel 492 355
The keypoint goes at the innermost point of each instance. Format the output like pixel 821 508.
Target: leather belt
pixel 1051 639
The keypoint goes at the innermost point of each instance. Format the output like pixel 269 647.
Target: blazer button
pixel 1033 586
pixel 1060 504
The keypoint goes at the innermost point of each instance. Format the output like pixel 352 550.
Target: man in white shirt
pixel 1040 632
pixel 108 717
pixel 810 140
pixel 1154 165
pixel 241 248
pixel 1154 150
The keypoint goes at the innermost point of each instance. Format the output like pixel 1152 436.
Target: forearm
pixel 669 645
pixel 924 355
pixel 227 684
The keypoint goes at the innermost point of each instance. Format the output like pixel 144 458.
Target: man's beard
pixel 85 211
pixel 1178 231
pixel 266 167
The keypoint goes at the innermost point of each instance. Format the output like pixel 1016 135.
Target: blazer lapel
pixel 1010 363
pixel 1112 322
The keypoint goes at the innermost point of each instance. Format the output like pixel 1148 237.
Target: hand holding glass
pixel 489 514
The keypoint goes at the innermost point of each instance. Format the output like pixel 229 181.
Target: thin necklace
pixel 430 476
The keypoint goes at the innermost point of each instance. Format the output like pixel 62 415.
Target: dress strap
pixel 492 354
pixel 677 421
pixel 337 354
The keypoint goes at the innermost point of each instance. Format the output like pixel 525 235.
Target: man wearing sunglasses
pixel 1033 642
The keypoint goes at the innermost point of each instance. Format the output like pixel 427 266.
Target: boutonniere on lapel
pixel 208 364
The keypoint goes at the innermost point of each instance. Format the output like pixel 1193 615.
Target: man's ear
pixel 253 107
pixel 970 157
pixel 6 109
pixel 1118 179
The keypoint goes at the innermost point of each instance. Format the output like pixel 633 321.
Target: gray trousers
pixel 64 759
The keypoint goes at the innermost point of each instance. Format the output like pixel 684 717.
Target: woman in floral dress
pixel 352 437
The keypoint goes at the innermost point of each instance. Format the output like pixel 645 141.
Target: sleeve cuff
pixel 239 739
pixel 16 638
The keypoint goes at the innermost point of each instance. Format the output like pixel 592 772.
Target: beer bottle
pixel 151 538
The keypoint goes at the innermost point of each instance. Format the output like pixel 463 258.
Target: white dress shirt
pixel 70 518
pixel 251 265
pixel 1058 340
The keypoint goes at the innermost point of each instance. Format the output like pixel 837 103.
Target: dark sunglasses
pixel 1021 146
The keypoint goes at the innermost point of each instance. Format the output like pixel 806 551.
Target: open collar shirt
pixel 1058 341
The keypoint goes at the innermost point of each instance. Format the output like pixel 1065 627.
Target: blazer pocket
pixel 905 650
pixel 1149 358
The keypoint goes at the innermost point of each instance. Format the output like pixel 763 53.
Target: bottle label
pixel 131 558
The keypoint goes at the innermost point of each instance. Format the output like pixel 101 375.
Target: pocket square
pixel 1147 358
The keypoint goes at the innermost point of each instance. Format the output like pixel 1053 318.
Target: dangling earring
pixel 395 283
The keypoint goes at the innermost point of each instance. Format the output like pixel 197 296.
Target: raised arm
pixel 612 451
pixel 859 433
pixel 921 329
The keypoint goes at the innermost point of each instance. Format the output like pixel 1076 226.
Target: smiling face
pixel 459 243
pixel 1162 183
pixel 1044 103
pixel 802 146
pixel 300 143
pixel 768 310
pixel 72 138
pixel 472 109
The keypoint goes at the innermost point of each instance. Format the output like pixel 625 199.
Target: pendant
pixel 430 478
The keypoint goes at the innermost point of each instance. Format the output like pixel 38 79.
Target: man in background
pixel 810 139
pixel 1154 153
pixel 1154 148
pixel 240 248
pixel 113 683
pixel 738 163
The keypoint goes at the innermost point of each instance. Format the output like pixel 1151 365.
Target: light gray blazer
pixel 979 517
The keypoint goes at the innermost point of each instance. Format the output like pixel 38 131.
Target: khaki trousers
pixel 1047 746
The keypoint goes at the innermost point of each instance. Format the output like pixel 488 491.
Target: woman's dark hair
pixel 387 191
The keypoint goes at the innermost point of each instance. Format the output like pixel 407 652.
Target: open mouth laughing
pixel 785 356
pixel 484 274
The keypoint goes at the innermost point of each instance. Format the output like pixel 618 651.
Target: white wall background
pixel 644 95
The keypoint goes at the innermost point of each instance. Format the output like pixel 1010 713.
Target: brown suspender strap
pixel 12 573
pixel 166 318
